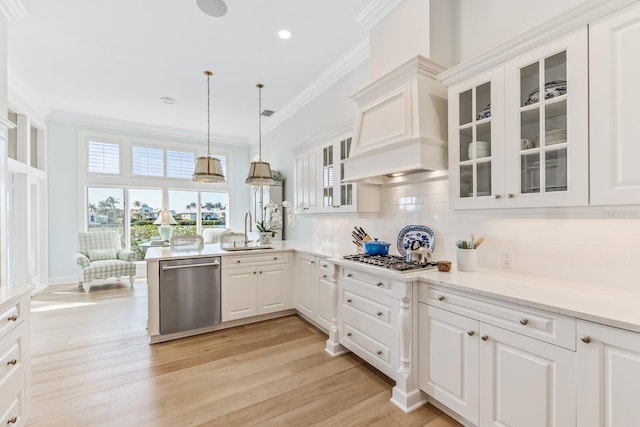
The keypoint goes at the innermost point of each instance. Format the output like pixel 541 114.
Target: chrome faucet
pixel 246 237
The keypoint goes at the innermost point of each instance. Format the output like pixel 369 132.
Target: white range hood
pixel 401 125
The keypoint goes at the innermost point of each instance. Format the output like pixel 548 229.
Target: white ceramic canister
pixel 467 259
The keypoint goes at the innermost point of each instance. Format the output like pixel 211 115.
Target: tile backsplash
pixel 587 245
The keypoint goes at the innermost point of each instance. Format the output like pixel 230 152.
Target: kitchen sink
pixel 245 248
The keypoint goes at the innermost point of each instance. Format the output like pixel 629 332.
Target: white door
pixel 306 285
pixel 608 376
pixel 614 67
pixel 448 359
pixel 525 382
pixel 239 293
pixel 273 294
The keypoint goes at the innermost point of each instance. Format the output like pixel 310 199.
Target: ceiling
pixel 115 59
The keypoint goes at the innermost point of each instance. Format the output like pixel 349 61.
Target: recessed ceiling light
pixel 284 34
pixel 168 100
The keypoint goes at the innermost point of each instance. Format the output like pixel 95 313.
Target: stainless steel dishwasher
pixel 189 294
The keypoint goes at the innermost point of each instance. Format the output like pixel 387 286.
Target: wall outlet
pixel 507 259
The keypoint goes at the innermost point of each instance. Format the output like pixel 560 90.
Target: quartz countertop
pixel 601 304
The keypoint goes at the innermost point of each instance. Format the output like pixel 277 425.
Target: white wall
pixel 3 66
pixel 65 198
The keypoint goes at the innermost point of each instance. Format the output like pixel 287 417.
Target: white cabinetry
pixel 375 321
pixel 306 182
pixel 614 67
pixel 511 147
pixel 306 286
pixel 609 376
pixel 494 363
pixel 254 285
pixel 15 354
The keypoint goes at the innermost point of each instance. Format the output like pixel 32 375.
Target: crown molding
pixel 13 9
pixel 349 61
pixel 571 20
pixel 148 129
pixel 375 12
pixel 6 124
pixel 338 131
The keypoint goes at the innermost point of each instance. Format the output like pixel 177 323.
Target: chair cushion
pixel 108 268
pixel 102 254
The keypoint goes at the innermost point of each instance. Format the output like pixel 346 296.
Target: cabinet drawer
pixel 9 319
pixel 11 355
pixel 12 403
pixel 543 325
pixel 381 284
pixel 379 354
pixel 262 259
pixel 326 270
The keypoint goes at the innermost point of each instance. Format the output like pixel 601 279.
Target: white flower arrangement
pixel 272 221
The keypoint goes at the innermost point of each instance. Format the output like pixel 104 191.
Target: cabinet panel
pixel 306 288
pixel 614 68
pixel 609 380
pixel 448 359
pixel 273 294
pixel 239 293
pixel 528 383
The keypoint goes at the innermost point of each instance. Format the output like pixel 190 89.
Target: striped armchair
pixel 100 256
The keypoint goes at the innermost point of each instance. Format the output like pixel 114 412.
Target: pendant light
pixel 260 172
pixel 208 168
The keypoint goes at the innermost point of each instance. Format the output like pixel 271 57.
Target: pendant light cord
pixel 259 86
pixel 208 73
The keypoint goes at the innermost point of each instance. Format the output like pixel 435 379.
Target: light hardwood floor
pixel 92 365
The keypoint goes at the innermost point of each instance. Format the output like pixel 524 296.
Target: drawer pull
pixel 497 196
pixel 585 339
pixel 237 261
pixel 324 276
pixel 349 300
pixel 524 321
pixel 12 318
pixel 260 272
pixel 471 333
pixel 441 298
pixel 275 258
pixel 510 195
pixel 325 265
pixel 349 275
pixel 12 420
pixel 254 272
pixel 379 313
pixel 348 334
pixel 312 262
pixel 484 337
pixel 379 352
pixel 12 362
pixel 379 284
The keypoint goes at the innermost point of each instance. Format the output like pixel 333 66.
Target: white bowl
pixel 483 149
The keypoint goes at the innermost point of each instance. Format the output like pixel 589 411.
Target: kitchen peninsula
pixel 512 322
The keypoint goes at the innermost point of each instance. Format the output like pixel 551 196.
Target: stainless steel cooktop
pixel 391 262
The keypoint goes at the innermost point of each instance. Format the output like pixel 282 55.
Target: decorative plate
pixel 484 113
pixel 422 233
pixel 551 89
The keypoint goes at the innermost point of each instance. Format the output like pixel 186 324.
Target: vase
pixel 265 237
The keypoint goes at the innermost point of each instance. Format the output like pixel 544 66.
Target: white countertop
pixel 607 305
pixel 10 294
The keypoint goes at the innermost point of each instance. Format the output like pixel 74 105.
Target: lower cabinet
pixel 609 380
pixel 255 285
pixel 490 375
pixel 306 286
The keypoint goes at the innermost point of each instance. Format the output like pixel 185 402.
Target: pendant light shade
pixel 208 168
pixel 259 172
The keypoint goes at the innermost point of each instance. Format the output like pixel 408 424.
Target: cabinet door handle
pixel 349 300
pixel 12 420
pixel 524 321
pixel 379 284
pixel 484 337
pixel 238 262
pixel 324 276
pixel 471 333
pixel 12 362
pixel 441 298
pixel 379 313
pixel 12 318
pixel 585 339
pixel 348 334
pixel 275 258
pixel 260 272
pixel 324 266
pixel 510 195
pixel 254 272
pixel 349 275
pixel 497 196
pixel 312 262
pixel 379 352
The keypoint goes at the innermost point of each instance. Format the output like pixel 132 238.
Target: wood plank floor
pixel 93 366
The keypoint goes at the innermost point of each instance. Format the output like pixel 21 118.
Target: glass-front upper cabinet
pixel 547 125
pixel 335 193
pixel 476 130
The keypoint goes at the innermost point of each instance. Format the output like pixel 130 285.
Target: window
pixel 180 164
pixel 105 209
pixel 147 161
pixel 103 158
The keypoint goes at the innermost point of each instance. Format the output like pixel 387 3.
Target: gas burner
pixel 391 262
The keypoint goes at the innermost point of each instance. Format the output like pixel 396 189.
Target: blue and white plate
pixel 422 233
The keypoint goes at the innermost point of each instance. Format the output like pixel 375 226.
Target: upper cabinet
pixel 319 185
pixel 518 132
pixel 614 126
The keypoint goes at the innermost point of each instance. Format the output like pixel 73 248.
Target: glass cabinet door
pixel 346 189
pixel 543 125
pixel 475 142
pixel 327 176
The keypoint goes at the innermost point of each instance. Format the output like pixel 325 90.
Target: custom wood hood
pixel 401 125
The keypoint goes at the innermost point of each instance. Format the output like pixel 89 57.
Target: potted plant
pixel 271 222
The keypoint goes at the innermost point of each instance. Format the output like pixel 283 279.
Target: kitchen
pixel 584 244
